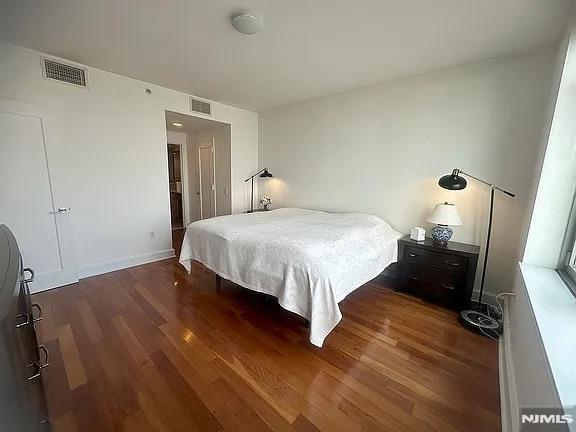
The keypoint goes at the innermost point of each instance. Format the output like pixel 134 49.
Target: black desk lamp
pixel 265 173
pixel 476 318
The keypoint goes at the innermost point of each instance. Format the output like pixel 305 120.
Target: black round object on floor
pixel 480 323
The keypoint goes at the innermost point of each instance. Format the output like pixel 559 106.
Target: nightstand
pixel 257 210
pixel 443 274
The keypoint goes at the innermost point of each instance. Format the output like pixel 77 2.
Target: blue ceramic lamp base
pixel 442 234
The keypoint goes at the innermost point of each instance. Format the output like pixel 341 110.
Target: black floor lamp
pixel 476 318
pixel 265 173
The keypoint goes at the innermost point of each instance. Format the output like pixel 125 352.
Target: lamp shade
pixel 445 214
pixel 453 181
pixel 266 173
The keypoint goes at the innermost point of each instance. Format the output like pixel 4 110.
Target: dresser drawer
pixel 445 262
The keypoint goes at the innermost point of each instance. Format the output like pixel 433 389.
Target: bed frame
pixel 219 287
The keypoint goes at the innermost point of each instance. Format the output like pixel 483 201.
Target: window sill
pixel 554 308
pixel 568 281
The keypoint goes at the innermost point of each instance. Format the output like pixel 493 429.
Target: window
pixel 571 267
pixel 567 267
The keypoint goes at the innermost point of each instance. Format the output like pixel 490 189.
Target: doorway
pixel 207 179
pixel 175 185
pixel 205 163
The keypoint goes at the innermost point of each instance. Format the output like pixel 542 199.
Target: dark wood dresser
pixel 443 274
pixel 22 399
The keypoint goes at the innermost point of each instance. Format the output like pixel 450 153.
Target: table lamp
pixel 444 215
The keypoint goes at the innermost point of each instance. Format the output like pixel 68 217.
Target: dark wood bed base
pixel 219 286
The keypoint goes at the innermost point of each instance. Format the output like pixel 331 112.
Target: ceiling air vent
pixel 63 72
pixel 199 106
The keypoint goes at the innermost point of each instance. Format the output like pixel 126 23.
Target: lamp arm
pixel 254 175
pixel 493 186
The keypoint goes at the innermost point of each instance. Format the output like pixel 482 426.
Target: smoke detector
pixel 246 23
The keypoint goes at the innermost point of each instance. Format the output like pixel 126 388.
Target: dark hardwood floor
pixel 177 238
pixel 152 348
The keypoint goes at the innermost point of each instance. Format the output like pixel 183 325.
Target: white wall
pixel 113 140
pixel 382 149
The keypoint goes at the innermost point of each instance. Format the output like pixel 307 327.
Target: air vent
pixel 63 72
pixel 200 106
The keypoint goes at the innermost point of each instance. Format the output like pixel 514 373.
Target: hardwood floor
pixel 177 238
pixel 153 349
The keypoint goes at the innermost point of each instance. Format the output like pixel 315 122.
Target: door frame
pixel 55 167
pixel 207 144
pixel 184 179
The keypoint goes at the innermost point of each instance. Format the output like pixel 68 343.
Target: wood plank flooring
pixel 153 349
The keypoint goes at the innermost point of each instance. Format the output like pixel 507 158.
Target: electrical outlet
pixel 152 235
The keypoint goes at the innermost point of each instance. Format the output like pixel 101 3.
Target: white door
pixel 40 224
pixel 207 173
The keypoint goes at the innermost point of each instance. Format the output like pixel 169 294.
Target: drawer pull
pixel 40 313
pixel 22 319
pixel 413 255
pixel 414 278
pixel 42 348
pixel 448 286
pixel 28 270
pixel 36 373
pixel 453 263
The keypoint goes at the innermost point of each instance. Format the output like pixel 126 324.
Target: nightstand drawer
pixel 434 284
pixel 438 293
pixel 439 260
pixel 433 274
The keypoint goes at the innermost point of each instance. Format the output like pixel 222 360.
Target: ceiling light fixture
pixel 246 23
pixel 177 124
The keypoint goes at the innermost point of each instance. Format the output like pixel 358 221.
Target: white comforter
pixel 308 260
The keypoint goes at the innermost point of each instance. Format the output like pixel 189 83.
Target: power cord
pixel 500 319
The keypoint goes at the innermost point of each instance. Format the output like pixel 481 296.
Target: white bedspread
pixel 308 260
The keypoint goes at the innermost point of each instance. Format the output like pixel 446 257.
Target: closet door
pixel 28 204
pixel 207 174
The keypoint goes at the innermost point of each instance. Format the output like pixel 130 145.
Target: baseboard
pixel 113 265
pixel 509 411
pixel 487 297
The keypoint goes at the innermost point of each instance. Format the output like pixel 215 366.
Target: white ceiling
pixel 308 48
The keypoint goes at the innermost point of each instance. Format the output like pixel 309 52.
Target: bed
pixel 309 260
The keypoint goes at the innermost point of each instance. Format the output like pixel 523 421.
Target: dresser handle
pixel 36 374
pixel 40 313
pixel 28 270
pixel 413 255
pixel 448 286
pixel 414 278
pixel 46 356
pixel 453 263
pixel 25 319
